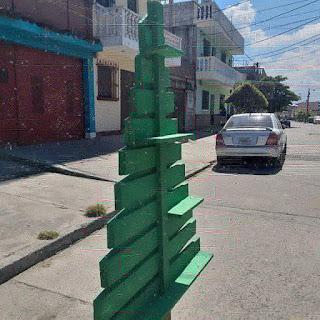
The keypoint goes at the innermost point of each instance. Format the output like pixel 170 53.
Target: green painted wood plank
pixel 138 305
pixel 110 302
pixel 131 193
pixel 119 263
pixel 172 153
pixel 174 175
pixel 181 238
pixel 169 126
pixel 143 101
pixel 185 205
pixel 176 195
pixel 164 303
pixel 178 137
pixel 167 103
pixel 181 261
pixel 165 50
pixel 197 264
pixel 138 129
pixel 133 160
pixel 175 223
pixel 129 224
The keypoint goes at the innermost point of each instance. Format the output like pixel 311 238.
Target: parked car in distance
pixel 316 119
pixel 252 135
pixel 285 122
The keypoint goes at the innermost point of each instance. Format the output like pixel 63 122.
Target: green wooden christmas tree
pixel 155 255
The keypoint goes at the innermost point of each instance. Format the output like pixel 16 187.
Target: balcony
pixel 213 22
pixel 117 28
pixel 212 69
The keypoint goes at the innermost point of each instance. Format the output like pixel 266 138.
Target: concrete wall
pixel 73 16
pixel 108 113
pixel 215 89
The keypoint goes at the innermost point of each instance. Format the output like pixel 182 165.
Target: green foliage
pixel 300 115
pixel 97 210
pixel 47 235
pixel 278 95
pixel 247 98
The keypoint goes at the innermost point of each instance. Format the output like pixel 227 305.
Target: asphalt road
pixel 263 227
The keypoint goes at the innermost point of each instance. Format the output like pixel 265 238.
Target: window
pixel 222 105
pixel 108 83
pixel 223 57
pixel 205 100
pixel 106 3
pixel 206 48
pixel 214 52
pixel 37 94
pixel 249 121
pixel 132 5
pixel 212 98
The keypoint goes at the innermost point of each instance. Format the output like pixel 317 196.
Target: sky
pixel 283 36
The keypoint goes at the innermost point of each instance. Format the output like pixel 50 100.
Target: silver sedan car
pixel 252 135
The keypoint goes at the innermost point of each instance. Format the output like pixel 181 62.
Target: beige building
pixel 116 26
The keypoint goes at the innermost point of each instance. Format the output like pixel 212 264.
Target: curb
pixel 24 263
pixel 13 269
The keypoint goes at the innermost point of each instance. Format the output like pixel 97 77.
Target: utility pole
pixel 171 14
pixel 308 98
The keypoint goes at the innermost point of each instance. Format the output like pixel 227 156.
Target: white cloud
pixel 301 66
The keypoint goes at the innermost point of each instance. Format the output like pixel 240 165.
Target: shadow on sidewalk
pixel 21 161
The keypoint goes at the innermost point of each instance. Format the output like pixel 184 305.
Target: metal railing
pixel 217 70
pixel 111 23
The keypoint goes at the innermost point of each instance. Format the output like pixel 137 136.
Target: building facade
pixel 314 107
pixel 46 71
pixel 116 26
pixel 253 73
pixel 209 41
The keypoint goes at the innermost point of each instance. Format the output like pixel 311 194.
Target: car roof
pixel 253 114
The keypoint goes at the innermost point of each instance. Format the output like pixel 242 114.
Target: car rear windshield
pixel 249 121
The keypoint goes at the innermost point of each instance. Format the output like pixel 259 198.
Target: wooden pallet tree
pixel 155 255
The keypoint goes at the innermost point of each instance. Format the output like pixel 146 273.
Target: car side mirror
pixel 283 126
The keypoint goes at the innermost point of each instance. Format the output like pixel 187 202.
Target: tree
pixel 278 95
pixel 300 115
pixel 247 98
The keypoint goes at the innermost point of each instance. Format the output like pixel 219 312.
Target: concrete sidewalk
pixel 97 158
pixel 55 192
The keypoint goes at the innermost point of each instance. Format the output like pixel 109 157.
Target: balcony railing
pixel 118 26
pixel 211 68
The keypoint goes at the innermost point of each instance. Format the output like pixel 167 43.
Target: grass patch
pixel 96 210
pixel 48 235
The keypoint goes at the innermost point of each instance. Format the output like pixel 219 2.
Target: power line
pixel 268 54
pixel 291 49
pixel 279 34
pixel 281 14
pixel 299 55
pixel 281 25
pixel 282 5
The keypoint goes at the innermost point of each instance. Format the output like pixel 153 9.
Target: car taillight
pixel 273 139
pixel 219 140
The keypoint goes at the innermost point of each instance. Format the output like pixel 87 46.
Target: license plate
pixel 244 140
